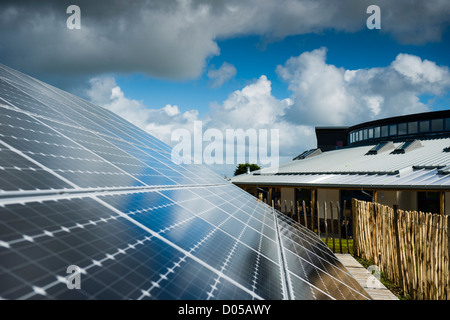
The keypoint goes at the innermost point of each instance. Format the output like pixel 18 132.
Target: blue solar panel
pixel 80 186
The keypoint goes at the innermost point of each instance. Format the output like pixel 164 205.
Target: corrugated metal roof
pixel 422 168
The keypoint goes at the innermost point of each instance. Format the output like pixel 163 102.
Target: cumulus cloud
pixel 174 38
pixel 324 94
pixel 255 107
pixel 219 76
pixel 161 122
pixel 425 75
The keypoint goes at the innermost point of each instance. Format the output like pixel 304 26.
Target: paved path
pixel 380 292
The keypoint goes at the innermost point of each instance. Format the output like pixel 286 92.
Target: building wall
pixel 327 195
pixel 387 197
pixel 287 194
pixel 407 200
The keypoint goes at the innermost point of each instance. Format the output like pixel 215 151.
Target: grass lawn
pixel 345 249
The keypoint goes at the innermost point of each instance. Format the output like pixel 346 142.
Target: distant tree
pixel 242 168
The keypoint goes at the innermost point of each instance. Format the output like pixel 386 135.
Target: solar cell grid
pixel 81 186
pixel 20 100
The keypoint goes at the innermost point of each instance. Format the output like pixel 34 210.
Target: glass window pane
pixel 384 131
pixel 371 133
pixel 437 125
pixel 447 124
pixel 424 126
pixel 377 132
pixel 393 130
pixel 412 127
pixel 365 134
pixel 402 128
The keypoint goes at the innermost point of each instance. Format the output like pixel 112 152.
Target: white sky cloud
pixel 174 38
pixel 159 122
pixel 219 76
pixel 322 94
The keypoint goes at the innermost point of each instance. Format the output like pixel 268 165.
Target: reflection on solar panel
pixel 81 186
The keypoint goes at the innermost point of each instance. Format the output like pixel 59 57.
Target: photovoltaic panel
pixel 80 186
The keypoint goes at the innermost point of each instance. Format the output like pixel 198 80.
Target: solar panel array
pixel 80 186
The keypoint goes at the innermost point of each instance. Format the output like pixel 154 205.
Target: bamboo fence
pixel 410 247
pixel 328 224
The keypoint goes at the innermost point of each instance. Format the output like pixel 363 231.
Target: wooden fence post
pixel 448 256
pixel 313 200
pixel 354 226
pixel 312 216
pixel 338 207
pixel 332 225
pixel 326 223
pixel 292 210
pixel 304 215
pixel 346 224
pixel 318 220
pixel 397 245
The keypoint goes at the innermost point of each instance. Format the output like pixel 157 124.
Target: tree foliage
pixel 242 168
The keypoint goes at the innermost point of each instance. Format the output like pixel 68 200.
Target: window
pixel 384 131
pixel 412 127
pixel 309 153
pixel 371 133
pixel 377 132
pixel 365 134
pixel 437 125
pixel 407 146
pixel 393 130
pixel 447 124
pixel 402 129
pixel 381 147
pixel 424 126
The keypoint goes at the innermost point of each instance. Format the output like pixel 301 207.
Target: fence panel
pixel 410 247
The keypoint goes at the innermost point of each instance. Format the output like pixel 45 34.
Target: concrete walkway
pixel 375 289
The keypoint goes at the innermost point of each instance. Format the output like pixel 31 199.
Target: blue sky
pixel 253 58
pixel 288 65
